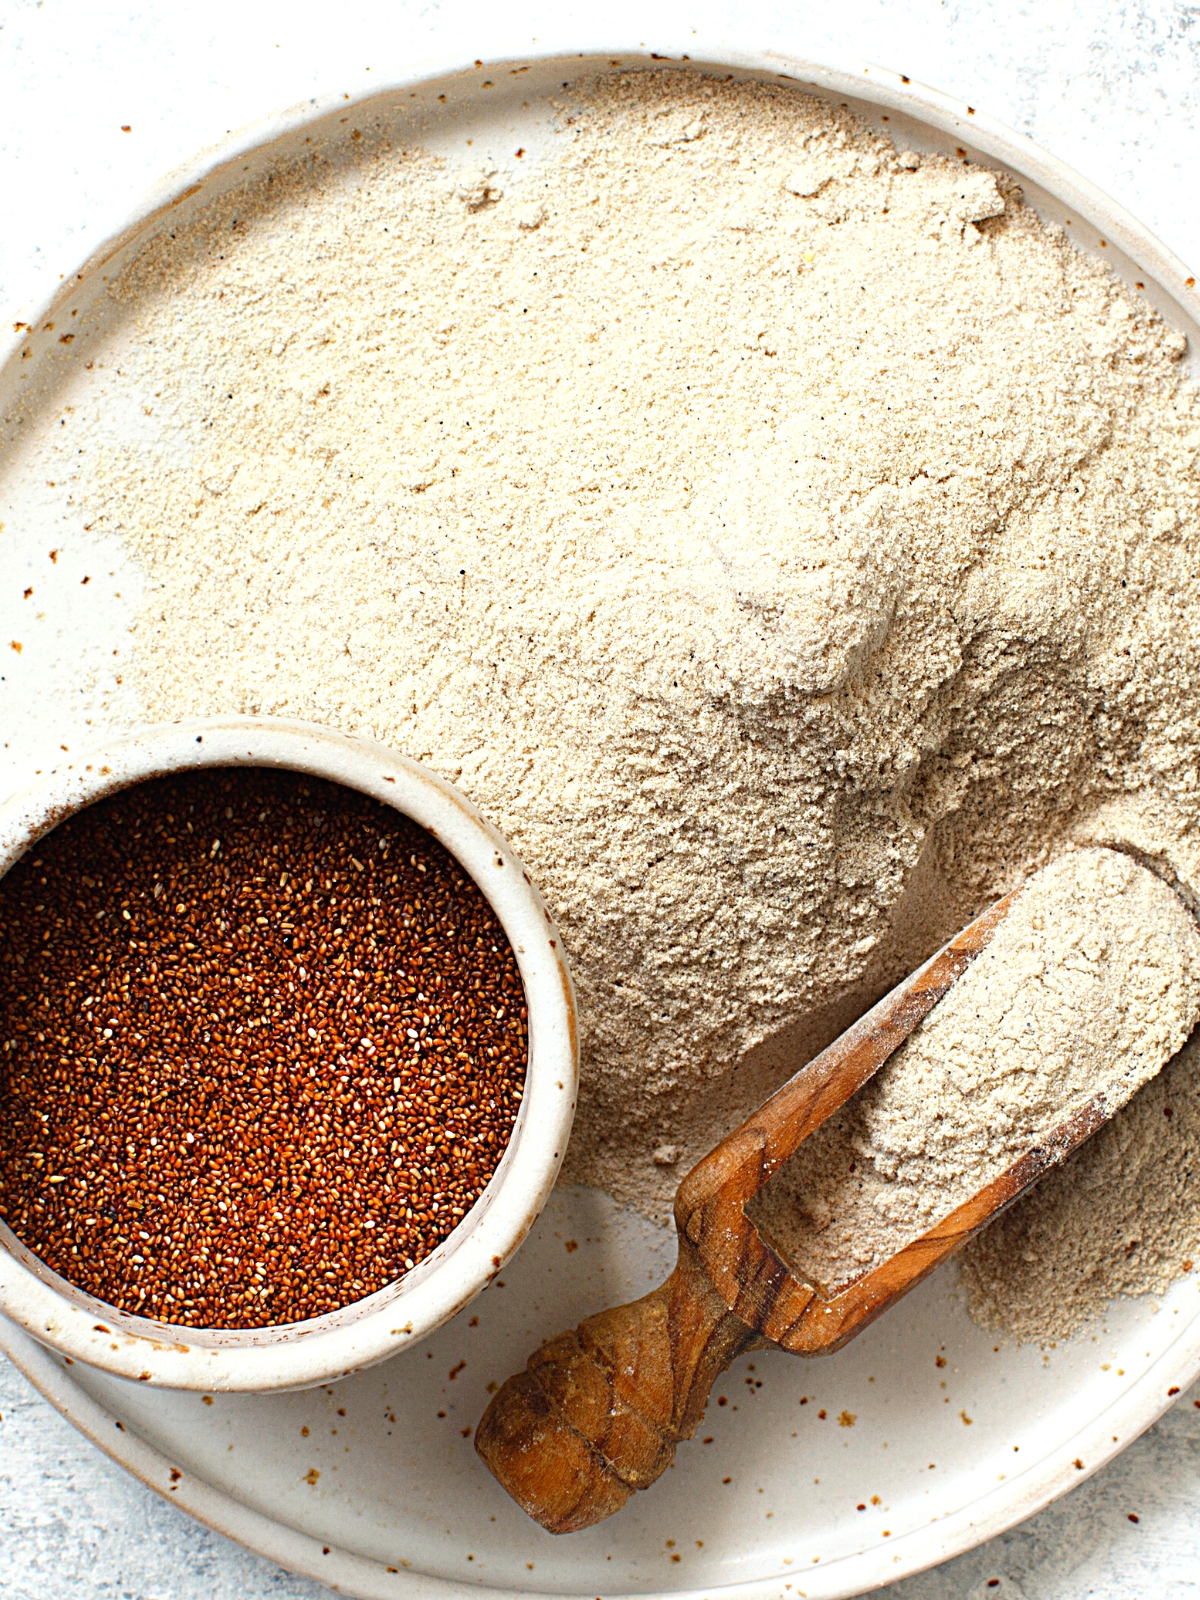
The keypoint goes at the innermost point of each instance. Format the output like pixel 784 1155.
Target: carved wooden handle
pixel 597 1413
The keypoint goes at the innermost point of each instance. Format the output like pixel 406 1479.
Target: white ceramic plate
pixel 373 1485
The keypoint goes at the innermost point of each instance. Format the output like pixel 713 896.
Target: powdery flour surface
pixel 789 542
pixel 1089 986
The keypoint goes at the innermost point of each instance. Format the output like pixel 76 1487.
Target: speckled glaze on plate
pixel 371 1484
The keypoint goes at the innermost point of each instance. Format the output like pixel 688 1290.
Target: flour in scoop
pixel 1088 987
pixel 791 544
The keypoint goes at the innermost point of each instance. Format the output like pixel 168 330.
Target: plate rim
pixel 841 1579
pixel 864 80
pixel 1140 1406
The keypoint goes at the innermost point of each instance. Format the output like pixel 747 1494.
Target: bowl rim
pixel 580 48
pixel 83 1328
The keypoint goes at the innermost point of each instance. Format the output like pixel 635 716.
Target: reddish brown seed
pixel 262 1045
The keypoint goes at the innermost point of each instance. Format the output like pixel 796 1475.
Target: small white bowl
pixel 83 1328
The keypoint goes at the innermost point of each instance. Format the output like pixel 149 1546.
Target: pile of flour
pixel 1118 1218
pixel 789 542
pixel 1089 986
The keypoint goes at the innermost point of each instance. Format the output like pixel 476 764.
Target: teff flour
pixel 1088 987
pixel 788 543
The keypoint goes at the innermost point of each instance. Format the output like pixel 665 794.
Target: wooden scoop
pixel 597 1412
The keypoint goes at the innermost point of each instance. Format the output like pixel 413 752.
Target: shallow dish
pixel 76 1324
pixel 956 1438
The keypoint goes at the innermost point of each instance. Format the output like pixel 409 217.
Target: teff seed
pixel 251 1079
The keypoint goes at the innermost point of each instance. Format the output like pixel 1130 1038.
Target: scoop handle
pixel 597 1412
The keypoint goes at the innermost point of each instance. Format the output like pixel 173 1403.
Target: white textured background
pixel 1112 86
